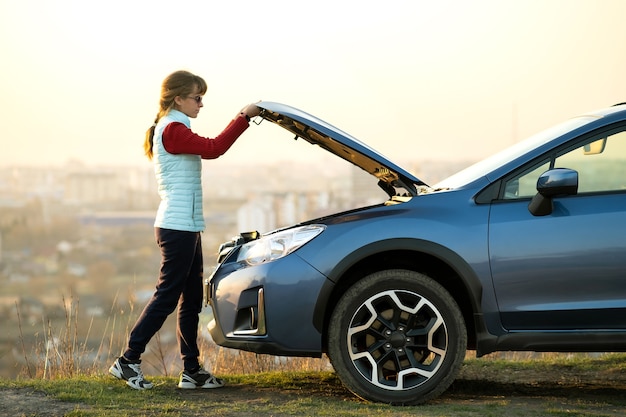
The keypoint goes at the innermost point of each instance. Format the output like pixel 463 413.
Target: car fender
pixel 471 291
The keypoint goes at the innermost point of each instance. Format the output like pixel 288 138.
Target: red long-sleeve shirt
pixel 179 139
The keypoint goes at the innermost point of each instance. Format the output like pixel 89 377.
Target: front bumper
pixel 267 308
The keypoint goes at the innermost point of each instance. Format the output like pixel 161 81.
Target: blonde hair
pixel 179 83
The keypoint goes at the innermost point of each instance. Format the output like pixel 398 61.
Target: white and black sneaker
pixel 131 373
pixel 199 379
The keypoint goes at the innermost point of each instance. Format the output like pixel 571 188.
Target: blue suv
pixel 523 251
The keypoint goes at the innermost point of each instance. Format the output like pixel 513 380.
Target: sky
pixel 416 80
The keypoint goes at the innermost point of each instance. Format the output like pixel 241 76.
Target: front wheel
pixel 397 337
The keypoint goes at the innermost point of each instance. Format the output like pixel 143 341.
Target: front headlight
pixel 275 246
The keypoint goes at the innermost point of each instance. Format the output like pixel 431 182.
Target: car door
pixel 565 270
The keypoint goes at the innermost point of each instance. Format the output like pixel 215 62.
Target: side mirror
pixel 553 183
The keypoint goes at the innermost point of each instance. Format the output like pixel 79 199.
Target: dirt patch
pixel 26 402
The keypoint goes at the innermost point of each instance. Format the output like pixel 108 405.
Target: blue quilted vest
pixel 179 182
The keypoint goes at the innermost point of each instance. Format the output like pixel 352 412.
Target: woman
pixel 177 153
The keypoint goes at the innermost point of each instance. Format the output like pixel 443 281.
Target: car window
pixel 600 163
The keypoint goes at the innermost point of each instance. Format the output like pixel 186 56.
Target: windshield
pixel 484 167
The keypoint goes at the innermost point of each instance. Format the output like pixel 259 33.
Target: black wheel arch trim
pixel 558 341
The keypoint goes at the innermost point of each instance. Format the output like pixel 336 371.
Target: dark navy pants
pixel 179 284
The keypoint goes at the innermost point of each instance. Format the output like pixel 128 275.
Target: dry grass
pixel 61 351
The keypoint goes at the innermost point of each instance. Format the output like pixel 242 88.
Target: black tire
pixel 397 337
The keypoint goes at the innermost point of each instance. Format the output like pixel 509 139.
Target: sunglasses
pixel 198 99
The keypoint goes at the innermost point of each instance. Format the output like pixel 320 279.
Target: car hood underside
pixel 391 178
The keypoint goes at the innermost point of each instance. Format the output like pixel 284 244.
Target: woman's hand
pixel 251 110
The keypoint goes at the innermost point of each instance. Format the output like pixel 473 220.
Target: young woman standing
pixel 177 153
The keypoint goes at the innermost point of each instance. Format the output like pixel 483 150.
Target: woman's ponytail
pixel 149 141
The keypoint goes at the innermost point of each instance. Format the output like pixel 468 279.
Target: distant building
pixel 117 218
pixel 364 189
pixel 93 188
pixel 257 214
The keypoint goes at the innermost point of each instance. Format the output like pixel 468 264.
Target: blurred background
pixel 435 86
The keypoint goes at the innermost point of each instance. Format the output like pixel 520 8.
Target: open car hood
pixel 391 178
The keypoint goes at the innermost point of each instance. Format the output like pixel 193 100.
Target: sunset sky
pixel 413 79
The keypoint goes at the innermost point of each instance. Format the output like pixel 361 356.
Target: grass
pixel 58 379
pixel 104 396
pixel 549 385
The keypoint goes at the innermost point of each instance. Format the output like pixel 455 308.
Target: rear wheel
pixel 397 337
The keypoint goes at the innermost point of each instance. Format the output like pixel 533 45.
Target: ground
pixel 603 393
